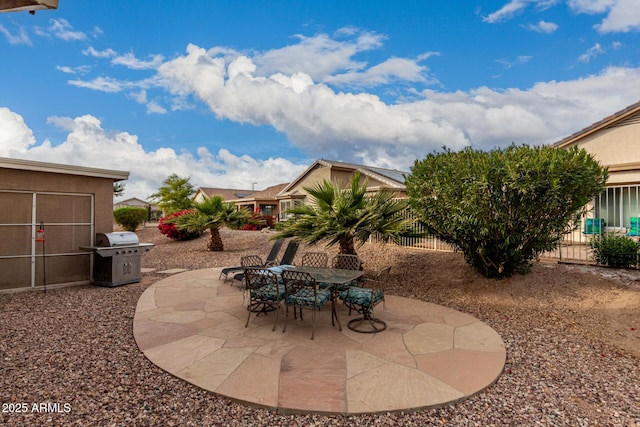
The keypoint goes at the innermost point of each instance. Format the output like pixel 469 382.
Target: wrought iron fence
pixel 616 211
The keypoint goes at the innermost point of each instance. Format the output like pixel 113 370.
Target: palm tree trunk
pixel 347 247
pixel 215 241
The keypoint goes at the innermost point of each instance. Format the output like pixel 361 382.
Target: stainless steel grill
pixel 117 260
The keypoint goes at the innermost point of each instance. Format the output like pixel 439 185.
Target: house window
pixel 285 205
pixel 617 205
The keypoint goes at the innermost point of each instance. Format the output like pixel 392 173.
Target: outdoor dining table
pixel 333 278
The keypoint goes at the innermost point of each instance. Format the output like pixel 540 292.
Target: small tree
pixel 212 214
pixel 130 217
pixel 118 189
pixel 346 216
pixel 505 207
pixel 174 195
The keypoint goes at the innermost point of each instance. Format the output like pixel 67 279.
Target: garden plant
pixel 211 214
pixel 130 217
pixel 169 229
pixel 503 208
pixel 346 216
pixel 614 250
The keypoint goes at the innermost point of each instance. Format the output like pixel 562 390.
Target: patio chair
pixel 593 226
pixel 265 293
pixel 302 291
pixel 363 299
pixel 289 253
pixel 346 262
pixel 272 259
pixel 634 226
pixel 249 261
pixel 315 259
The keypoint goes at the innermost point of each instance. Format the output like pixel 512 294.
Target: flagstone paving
pixel 192 325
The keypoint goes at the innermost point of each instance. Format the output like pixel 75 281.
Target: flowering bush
pixel 258 222
pixel 168 227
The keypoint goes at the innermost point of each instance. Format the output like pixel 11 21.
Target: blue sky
pixel 235 92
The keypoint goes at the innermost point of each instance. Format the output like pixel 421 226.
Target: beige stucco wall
pixel 101 188
pixel 619 149
pixel 319 174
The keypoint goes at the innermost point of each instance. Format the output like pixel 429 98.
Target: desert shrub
pixel 130 217
pixel 259 221
pixel 614 250
pixel 168 227
pixel 504 207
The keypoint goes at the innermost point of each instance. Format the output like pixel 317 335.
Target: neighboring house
pixel 227 194
pixel 72 202
pixel 264 201
pixel 154 211
pixel 377 178
pixel 615 142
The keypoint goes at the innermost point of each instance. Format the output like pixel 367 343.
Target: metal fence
pixel 615 211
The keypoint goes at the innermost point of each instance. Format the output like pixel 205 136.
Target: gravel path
pixel 571 361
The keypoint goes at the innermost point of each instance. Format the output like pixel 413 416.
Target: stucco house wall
pixel 340 172
pixel 615 143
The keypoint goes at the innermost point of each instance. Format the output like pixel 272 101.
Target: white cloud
pixel 154 108
pixel 107 53
pixel 622 15
pixel 542 27
pixel 391 70
pixel 506 12
pixel 62 29
pixel 592 52
pixel 15 135
pixel 522 59
pixel 130 61
pixel 88 144
pixel 322 123
pixel 349 126
pixel 319 56
pixel 20 38
pixel 591 6
pixel 82 69
pixel 102 84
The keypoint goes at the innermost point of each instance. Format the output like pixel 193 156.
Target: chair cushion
pixel 304 297
pixel 362 296
pixel 270 292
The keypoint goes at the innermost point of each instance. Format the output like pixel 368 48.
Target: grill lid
pixel 120 238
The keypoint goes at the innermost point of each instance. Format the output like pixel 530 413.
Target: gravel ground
pixel 572 337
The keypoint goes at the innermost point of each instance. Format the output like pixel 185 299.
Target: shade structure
pixel 27 5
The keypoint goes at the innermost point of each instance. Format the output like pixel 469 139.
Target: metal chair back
pixel 346 262
pixel 251 261
pixel 315 259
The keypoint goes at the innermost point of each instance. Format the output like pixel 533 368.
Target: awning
pixel 27 5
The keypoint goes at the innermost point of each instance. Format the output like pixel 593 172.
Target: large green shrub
pixel 130 217
pixel 614 250
pixel 504 207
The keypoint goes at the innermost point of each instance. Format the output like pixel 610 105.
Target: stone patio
pixel 192 326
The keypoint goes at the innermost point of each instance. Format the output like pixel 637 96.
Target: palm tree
pixel 346 216
pixel 212 214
